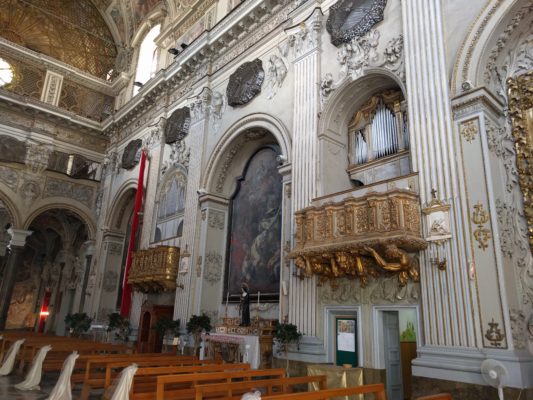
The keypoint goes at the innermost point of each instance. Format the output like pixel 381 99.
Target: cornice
pixel 231 37
pixel 74 74
pixel 69 118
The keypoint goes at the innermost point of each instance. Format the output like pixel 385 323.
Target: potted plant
pixel 166 326
pixel 285 334
pixel 120 325
pixel 196 325
pixel 77 323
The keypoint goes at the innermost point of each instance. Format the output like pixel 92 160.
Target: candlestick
pixel 227 298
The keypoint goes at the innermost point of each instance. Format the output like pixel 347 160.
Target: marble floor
pixel 8 391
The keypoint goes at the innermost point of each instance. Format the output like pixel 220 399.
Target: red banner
pixel 125 304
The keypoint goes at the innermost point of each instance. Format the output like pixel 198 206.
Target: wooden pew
pixel 440 396
pixel 94 374
pixel 234 390
pixel 182 386
pixel 145 380
pixel 377 389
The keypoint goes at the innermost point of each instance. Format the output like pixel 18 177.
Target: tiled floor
pixel 8 391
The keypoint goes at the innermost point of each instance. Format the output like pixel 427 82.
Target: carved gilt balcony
pixel 154 269
pixel 360 237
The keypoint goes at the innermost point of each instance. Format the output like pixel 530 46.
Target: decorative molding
pixel 501 143
pixel 480 217
pixel 213 267
pixel 52 88
pixel 216 219
pixel 470 129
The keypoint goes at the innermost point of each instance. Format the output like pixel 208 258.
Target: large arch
pixel 58 203
pixel 235 140
pixel 114 217
pixel 488 34
pixel 340 107
pixel 5 198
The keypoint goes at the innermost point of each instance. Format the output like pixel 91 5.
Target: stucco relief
pixel 37 157
pixel 200 106
pixel 307 37
pixel 362 53
pixel 180 154
pixel 502 65
pixel 60 188
pixel 276 74
pixel 518 328
pixel 501 143
pixel 155 133
pixel 9 177
pixel 29 190
pixel 217 108
pixel 213 267
pixel 216 219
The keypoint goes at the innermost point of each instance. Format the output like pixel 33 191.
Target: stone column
pixel 185 305
pixel 450 298
pixel 306 50
pixel 16 247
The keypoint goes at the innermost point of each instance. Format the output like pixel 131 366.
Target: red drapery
pixel 125 304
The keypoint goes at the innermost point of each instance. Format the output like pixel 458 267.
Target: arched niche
pixel 9 205
pixel 237 145
pixel 225 171
pixel 339 109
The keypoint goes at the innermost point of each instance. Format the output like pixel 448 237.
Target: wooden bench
pixel 377 389
pixel 145 380
pixel 440 396
pixel 94 374
pixel 234 390
pixel 182 386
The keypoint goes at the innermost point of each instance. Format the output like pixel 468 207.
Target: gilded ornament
pixel 480 217
pixel 494 335
pixel 520 94
pixel 378 245
pixel 470 130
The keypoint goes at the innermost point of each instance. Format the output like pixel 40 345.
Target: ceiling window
pixel 147 61
pixel 6 72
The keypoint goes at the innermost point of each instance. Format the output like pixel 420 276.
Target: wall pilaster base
pixel 463 365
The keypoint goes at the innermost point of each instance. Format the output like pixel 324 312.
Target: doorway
pixel 396 348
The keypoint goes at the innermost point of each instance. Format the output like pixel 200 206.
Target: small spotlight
pixel 173 51
pixel 138 84
pixel 184 46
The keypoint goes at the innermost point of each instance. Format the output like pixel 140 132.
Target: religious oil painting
pixel 255 230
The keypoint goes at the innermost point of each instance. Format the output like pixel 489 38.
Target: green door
pixel 346 341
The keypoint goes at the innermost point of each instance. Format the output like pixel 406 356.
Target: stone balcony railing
pixel 360 236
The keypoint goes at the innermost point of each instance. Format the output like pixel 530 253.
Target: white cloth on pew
pixel 252 395
pixel 123 384
pixel 33 377
pixel 62 390
pixel 9 360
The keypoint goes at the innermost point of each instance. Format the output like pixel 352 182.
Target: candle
pixel 258 297
pixel 227 298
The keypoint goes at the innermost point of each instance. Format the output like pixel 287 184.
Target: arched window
pixel 171 208
pixel 378 139
pixel 147 61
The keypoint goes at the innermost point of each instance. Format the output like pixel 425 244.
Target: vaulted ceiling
pixel 71 31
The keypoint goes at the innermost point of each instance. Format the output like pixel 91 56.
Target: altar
pixel 234 343
pixel 234 348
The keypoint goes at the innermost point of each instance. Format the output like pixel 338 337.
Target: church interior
pixel 252 199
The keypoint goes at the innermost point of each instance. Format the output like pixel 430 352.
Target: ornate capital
pixel 305 37
pixel 18 237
